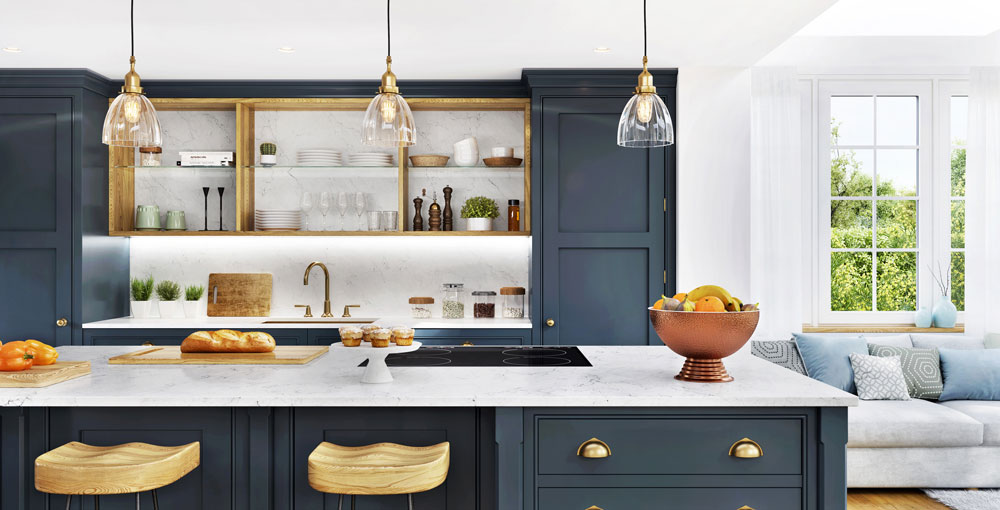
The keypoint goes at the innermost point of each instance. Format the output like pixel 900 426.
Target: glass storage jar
pixel 484 304
pixel 150 156
pixel 453 301
pixel 420 307
pixel 513 302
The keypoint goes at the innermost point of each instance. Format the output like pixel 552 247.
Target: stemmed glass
pixel 306 205
pixel 359 206
pixel 342 206
pixel 324 206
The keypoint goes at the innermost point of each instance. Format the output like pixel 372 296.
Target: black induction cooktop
pixel 472 356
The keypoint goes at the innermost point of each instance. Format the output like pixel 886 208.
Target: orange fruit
pixel 681 296
pixel 709 304
pixel 658 305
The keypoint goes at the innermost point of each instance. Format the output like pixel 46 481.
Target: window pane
pixel 897 224
pixel 958 280
pixel 958 172
pixel 850 282
pixel 896 120
pixel 851 172
pixel 896 281
pixel 959 119
pixel 897 172
pixel 958 223
pixel 850 224
pixel 852 120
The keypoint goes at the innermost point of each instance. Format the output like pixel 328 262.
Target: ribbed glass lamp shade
pixel 388 122
pixel 645 122
pixel 131 122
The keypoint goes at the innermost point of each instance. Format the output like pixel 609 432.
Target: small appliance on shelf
pixel 207 158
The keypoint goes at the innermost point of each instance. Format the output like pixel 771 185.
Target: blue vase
pixel 945 313
pixel 923 317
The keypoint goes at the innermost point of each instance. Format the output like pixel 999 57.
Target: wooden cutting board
pixel 239 294
pixel 172 355
pixel 40 376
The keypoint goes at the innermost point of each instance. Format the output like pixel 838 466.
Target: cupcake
pixel 380 338
pixel 367 331
pixel 402 335
pixel 350 336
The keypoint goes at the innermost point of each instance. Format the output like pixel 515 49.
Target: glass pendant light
pixel 388 120
pixel 645 122
pixel 131 119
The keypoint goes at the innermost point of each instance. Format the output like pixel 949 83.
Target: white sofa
pixel 921 443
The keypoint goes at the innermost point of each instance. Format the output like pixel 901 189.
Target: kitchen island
pixel 514 430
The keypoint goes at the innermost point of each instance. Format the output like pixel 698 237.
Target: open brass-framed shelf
pixel 122 167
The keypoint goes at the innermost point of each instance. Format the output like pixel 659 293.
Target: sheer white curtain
pixel 982 202
pixel 776 201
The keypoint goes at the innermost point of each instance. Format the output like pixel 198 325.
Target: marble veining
pixel 634 376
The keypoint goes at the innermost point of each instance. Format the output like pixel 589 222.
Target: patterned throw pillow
pixel 780 352
pixel 921 369
pixel 879 377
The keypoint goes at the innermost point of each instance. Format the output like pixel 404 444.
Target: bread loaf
pixel 227 340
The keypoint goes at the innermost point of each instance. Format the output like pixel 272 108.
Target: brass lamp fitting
pixel 132 79
pixel 645 85
pixel 388 79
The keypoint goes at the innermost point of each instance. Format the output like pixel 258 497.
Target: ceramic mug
pixel 467 152
pixel 147 217
pixel 176 221
pixel 502 152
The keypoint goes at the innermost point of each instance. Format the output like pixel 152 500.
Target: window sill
pixel 877 328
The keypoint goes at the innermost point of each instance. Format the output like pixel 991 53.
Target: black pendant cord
pixel 388 29
pixel 132 26
pixel 643 28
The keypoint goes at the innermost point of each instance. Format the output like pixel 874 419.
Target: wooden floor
pixel 890 499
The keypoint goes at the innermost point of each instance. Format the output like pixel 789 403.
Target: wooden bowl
pixel 704 338
pixel 502 161
pixel 429 160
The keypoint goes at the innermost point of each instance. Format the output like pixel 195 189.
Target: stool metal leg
pixel 156 501
pixel 97 502
pixel 353 497
pixel 137 501
pixel 69 499
pixel 409 500
pixel 340 502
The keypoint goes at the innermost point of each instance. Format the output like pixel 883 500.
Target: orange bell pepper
pixel 16 356
pixel 45 354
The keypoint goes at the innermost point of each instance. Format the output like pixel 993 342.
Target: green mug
pixel 175 220
pixel 147 217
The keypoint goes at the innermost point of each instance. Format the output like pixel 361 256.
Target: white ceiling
pixel 432 39
pixel 927 18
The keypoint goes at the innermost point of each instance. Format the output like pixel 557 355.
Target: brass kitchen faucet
pixel 326 274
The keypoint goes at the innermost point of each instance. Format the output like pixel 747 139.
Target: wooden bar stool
pixel 377 469
pixel 77 468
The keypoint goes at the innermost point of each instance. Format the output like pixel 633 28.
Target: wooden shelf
pixel 878 328
pixel 316 233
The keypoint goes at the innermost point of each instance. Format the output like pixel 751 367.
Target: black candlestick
pixel 205 189
pixel 222 190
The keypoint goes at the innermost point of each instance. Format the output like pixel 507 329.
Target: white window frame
pixel 942 179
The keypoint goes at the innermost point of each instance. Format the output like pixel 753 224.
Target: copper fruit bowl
pixel 704 338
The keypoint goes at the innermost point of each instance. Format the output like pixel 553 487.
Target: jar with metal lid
pixel 420 307
pixel 150 156
pixel 453 301
pixel 484 304
pixel 513 302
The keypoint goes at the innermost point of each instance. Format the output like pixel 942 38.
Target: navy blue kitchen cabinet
pixel 604 225
pixel 58 268
pixel 174 336
pixel 295 336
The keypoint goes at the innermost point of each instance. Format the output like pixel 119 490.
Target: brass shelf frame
pixel 121 162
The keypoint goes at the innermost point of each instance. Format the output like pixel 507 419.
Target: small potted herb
pixel 192 298
pixel 479 213
pixel 141 291
pixel 170 295
pixel 268 154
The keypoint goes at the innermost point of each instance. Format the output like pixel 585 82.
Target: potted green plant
pixel 141 291
pixel 192 299
pixel 268 154
pixel 479 213
pixel 170 295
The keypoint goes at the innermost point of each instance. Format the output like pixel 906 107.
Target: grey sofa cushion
pixel 921 369
pixel 909 423
pixel 937 340
pixel 780 352
pixel 986 412
pixel 879 377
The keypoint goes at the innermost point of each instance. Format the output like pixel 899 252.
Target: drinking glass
pixel 359 206
pixel 342 204
pixel 324 206
pixel 306 205
pixel 374 219
pixel 389 219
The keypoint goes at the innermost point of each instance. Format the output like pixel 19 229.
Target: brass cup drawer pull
pixel 744 507
pixel 595 507
pixel 594 448
pixel 746 448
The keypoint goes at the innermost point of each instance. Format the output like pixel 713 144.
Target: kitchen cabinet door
pixel 174 336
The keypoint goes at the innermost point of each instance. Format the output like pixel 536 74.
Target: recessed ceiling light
pixel 286 49
pixel 12 49
pixel 602 49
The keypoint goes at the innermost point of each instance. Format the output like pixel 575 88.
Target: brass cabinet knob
pixel 467 344
pixel 62 322
pixel 147 343
pixel 595 507
pixel 746 448
pixel 550 322
pixel 744 507
pixel 594 448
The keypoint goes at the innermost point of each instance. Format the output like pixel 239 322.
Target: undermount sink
pixel 322 320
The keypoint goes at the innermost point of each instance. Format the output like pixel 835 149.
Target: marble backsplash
pixel 379 273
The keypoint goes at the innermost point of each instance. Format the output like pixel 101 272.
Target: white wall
pixel 713 178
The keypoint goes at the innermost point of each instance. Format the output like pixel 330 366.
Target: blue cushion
pixel 827 359
pixel 970 375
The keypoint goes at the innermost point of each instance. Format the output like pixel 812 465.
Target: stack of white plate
pixel 371 159
pixel 319 157
pixel 278 219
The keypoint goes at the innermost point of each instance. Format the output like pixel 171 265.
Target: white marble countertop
pixel 201 323
pixel 620 377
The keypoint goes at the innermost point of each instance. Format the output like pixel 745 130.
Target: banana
pixel 735 305
pixel 711 290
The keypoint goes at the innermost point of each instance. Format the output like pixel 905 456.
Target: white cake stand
pixel 377 371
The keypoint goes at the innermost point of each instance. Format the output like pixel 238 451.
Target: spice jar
pixel 484 306
pixel 420 307
pixel 453 302
pixel 513 302
pixel 150 156
pixel 513 215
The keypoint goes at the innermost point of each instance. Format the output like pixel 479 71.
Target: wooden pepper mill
pixel 418 221
pixel 434 215
pixel 448 224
